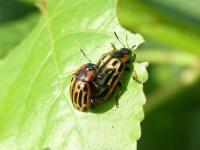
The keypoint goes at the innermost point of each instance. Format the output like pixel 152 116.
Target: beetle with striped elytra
pixel 94 84
pixel 81 83
pixel 112 66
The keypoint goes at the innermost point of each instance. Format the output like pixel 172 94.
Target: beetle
pixel 112 66
pixel 82 83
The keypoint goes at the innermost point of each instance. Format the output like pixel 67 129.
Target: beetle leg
pixel 113 45
pixel 95 84
pixel 135 77
pixel 119 85
pixel 134 57
pixel 92 103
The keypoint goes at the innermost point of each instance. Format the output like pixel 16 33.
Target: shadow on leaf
pixel 114 100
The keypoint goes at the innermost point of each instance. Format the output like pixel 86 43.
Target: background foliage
pixel 171 30
pixel 16 20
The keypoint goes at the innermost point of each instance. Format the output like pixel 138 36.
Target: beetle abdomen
pixel 111 70
pixel 80 94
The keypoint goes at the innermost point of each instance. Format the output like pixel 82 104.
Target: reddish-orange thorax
pixel 85 74
pixel 90 74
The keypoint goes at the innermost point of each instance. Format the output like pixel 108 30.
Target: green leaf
pixel 142 74
pixel 36 111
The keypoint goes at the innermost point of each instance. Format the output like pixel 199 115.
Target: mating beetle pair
pixel 92 84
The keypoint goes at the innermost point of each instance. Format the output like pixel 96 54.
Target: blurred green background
pixel 171 29
pixel 16 20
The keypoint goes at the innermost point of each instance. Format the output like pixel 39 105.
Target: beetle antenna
pixel 127 40
pixel 119 39
pixel 133 46
pixel 85 55
pixel 113 46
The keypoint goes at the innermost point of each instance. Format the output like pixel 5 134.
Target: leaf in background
pixel 19 10
pixel 172 37
pixel 166 23
pixel 171 30
pixel 13 33
pixel 172 125
pixel 15 24
pixel 36 111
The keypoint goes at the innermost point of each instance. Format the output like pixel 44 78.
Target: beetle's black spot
pixel 85 88
pixel 120 67
pixel 75 97
pixel 114 79
pixel 85 99
pixel 79 86
pixel 114 63
pixel 80 98
pixel 109 76
pixel 104 93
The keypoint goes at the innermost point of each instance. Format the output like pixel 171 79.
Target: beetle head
pixel 91 66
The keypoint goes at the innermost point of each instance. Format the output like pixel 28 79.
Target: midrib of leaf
pixel 52 51
pixel 52 41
